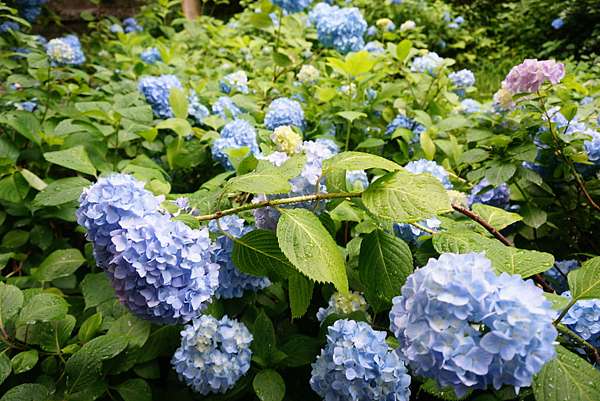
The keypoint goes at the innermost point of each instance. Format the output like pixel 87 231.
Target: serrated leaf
pixel 300 350
pixel 11 301
pixel 43 308
pixel 61 191
pixel 27 392
pixel 178 125
pixel 584 282
pixel 257 253
pixel 51 336
pixel 61 263
pixel 358 161
pixel 96 289
pixel 533 216
pixel 268 386
pixel 135 330
pixel 385 262
pixel 75 158
pixel 24 361
pixel 427 145
pixel 310 248
pixel 300 294
pixel 269 181
pixel 500 173
pixel 495 217
pixel 567 377
pixel 135 390
pixel 454 122
pixel 265 346
pixel 406 198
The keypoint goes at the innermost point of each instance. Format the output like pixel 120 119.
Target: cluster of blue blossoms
pixel 292 6
pixel 225 108
pixel 462 325
pixel 236 81
pixel 342 29
pixel 151 56
pixel 65 51
pixel 470 106
pixel 558 273
pixel 496 196
pixel 412 234
pixel 462 79
pixel 357 364
pixel 232 282
pixel 584 319
pixel 213 355
pixel 402 121
pixel 429 63
pixel 29 10
pixel 284 111
pixel 160 269
pixel 234 135
pixel 422 166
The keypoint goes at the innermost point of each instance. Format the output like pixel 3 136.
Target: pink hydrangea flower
pixel 528 76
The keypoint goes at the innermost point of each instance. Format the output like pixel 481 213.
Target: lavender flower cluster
pixel 462 325
pixel 342 29
pixel 160 269
pixel 529 76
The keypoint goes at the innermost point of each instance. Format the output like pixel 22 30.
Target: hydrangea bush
pixel 307 201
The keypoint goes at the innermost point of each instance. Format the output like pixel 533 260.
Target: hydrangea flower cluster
pixel 292 6
pixel 156 90
pixel 470 106
pixel 558 273
pixel 462 325
pixel 339 28
pixel 402 121
pixel 343 304
pixel 557 23
pixel 462 79
pixel 456 23
pixel 9 26
pixel 408 25
pixel 29 9
pixel 429 63
pixel 236 81
pixel 286 140
pixel 131 25
pixel 357 180
pixel 386 24
pixel 196 110
pixel 234 135
pixel 357 364
pixel 584 319
pixel 284 111
pixel 225 108
pixel 213 355
pixel 151 56
pixel 411 234
pixel 497 196
pixel 232 282
pixel 592 147
pixel 529 76
pixel 29 105
pixel 374 47
pixel 65 51
pixel 160 269
pixel 308 74
pixel 428 166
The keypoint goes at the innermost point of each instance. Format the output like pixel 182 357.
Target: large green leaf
pixel 24 361
pixel 310 248
pixel 406 198
pixel 27 392
pixel 178 102
pixel 584 282
pixel 5 367
pixel 43 308
pixel 132 328
pixel 75 158
pixel 61 191
pixel 135 390
pixel 495 217
pixel 268 181
pixel 258 253
pixel 96 289
pixel 567 377
pixel 61 263
pixel 358 161
pixel 268 386
pixel 300 294
pixel 11 301
pixel 24 123
pixel 384 264
pixel 264 348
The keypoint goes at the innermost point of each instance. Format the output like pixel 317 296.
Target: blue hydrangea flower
pixel 497 196
pixel 284 111
pixel 29 9
pixel 234 135
pixel 592 147
pixel 401 121
pixel 470 106
pixel 236 81
pixel 151 56
pixel 462 79
pixel 460 324
pixel 428 166
pixel 339 28
pixel 372 31
pixel 156 90
pixel 357 180
pixel 584 319
pixel 9 26
pixel 292 6
pixel 29 105
pixel 196 110
pixel 411 234
pixel 232 282
pixel 65 51
pixel 131 25
pixel 557 23
pixel 358 365
pixel 429 63
pixel 374 47
pixel 558 273
pixel 226 109
pixel 343 304
pixel 213 355
pixel 116 28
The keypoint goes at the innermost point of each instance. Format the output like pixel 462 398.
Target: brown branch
pixel 473 216
pixel 190 9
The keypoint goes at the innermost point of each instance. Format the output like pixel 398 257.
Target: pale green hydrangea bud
pixel 308 74
pixel 286 140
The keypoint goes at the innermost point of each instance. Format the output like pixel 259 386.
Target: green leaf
pixel 385 262
pixel 264 348
pixel 178 102
pixel 500 173
pixel 24 361
pixel 358 161
pixel 371 143
pixel 495 217
pixel 33 180
pixel 300 294
pixel 584 282
pixel 135 390
pixel 90 327
pixel 13 188
pixel 558 302
pixel 351 115
pixel 178 125
pixel 27 392
pixel 406 198
pixel 61 191
pixel 310 248
pixel 260 20
pixel 268 181
pixel 282 59
pixel 96 289
pixel 50 336
pixel 427 145
pixel 25 123
pixel 300 350
pixel 14 239
pixel 533 216
pixel 403 49
pixel 567 378
pixel 5 367
pixel 75 158
pixel 11 301
pixel 61 263
pixel 452 123
pixel 257 253
pixel 268 386
pixel 43 308
pixel 135 330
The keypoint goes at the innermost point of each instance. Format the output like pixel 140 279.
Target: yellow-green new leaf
pixel 585 281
